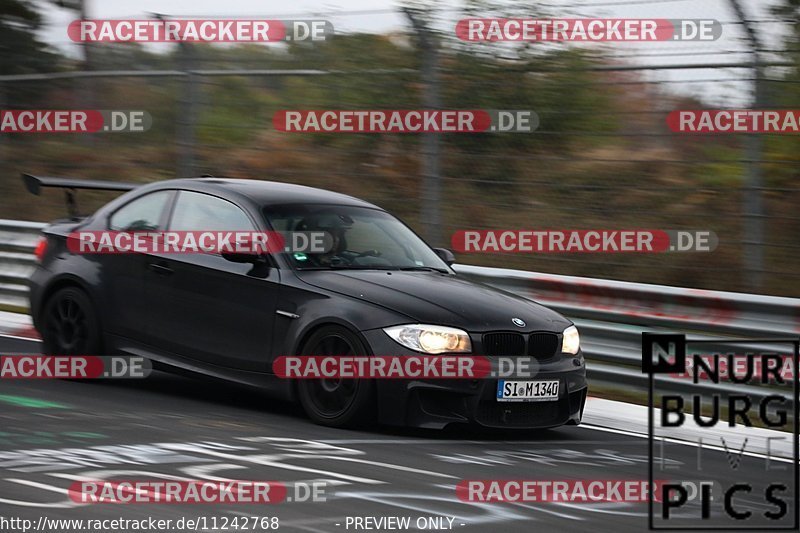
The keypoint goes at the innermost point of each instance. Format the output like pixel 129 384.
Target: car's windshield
pixel 359 238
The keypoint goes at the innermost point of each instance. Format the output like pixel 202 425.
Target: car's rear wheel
pixel 70 325
pixel 336 402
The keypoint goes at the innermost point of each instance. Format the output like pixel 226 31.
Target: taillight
pixel 41 248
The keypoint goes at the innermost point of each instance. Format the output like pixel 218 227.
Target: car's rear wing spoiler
pixel 34 185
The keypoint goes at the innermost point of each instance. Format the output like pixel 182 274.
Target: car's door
pixel 204 307
pixel 121 274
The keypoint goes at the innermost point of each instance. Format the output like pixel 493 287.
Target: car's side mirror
pixel 236 257
pixel 445 255
pixel 261 262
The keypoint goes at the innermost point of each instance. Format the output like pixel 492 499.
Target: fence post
pixel 86 89
pixel 752 202
pixel 186 108
pixel 431 219
pixel 5 168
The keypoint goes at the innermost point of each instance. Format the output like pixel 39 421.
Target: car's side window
pixel 201 212
pixel 143 213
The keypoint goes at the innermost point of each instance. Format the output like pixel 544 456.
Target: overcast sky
pixel 380 16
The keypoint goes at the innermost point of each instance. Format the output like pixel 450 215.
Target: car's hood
pixel 434 298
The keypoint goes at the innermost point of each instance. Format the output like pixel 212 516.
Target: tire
pixel 70 325
pixel 337 403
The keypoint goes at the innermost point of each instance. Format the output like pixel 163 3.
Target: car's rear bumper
pixel 439 403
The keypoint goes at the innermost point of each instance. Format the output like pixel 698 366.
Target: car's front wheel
pixel 336 402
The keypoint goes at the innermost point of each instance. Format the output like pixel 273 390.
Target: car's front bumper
pixel 437 403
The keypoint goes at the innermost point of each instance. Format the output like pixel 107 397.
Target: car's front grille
pixel 542 346
pixel 502 343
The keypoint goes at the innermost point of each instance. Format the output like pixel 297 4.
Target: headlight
pixel 431 339
pixel 572 341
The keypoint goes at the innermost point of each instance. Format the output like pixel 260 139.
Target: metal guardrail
pixel 17 241
pixel 611 315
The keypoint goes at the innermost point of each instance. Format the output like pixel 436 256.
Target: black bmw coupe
pixel 380 290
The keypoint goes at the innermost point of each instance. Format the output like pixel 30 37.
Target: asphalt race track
pixel 194 428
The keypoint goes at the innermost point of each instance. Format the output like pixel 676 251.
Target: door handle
pixel 160 269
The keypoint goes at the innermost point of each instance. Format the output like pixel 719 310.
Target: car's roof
pixel 265 193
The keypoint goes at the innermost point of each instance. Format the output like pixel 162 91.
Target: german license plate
pixel 527 391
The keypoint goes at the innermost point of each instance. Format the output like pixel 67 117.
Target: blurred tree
pixel 20 49
pixel 783 91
